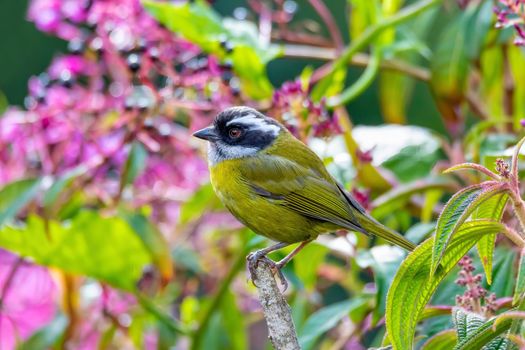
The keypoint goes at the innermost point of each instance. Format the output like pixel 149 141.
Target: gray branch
pixel 276 311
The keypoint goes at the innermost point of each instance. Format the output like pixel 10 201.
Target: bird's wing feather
pixel 299 188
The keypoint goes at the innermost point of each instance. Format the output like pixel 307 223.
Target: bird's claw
pixel 253 261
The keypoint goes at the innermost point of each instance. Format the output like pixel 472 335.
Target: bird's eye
pixel 235 133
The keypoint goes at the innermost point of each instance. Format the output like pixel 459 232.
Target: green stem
pixel 366 38
pixel 372 32
pixel 514 237
pixel 519 209
pixel 199 333
pixel 364 81
pixel 165 319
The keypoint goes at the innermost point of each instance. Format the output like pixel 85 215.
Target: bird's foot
pixel 260 256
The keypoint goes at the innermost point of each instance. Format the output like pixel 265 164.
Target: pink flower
pixel 29 300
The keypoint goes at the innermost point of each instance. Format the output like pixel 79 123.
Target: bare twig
pixel 276 311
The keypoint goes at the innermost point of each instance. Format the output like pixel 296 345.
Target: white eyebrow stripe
pixel 256 123
pixel 245 120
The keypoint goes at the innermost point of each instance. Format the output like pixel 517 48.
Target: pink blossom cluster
pixel 511 13
pixel 476 298
pixel 126 79
pixel 295 108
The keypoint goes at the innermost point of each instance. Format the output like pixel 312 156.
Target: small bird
pixel 279 188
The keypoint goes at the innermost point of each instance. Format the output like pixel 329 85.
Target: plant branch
pixel 329 21
pixel 364 81
pixel 515 158
pixel 359 60
pixel 372 32
pixel 514 236
pixel 161 316
pixel 276 311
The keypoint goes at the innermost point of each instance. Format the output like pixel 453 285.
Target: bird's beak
pixel 208 134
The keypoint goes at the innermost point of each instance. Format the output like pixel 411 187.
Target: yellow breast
pixel 263 215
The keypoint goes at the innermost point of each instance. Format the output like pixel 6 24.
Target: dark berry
pixel 226 65
pixel 133 62
pixel 154 53
pixel 226 76
pixel 76 46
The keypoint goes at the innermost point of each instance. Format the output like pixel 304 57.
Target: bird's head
pixel 239 132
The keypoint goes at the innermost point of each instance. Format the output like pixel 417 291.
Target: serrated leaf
pixel 15 195
pixel 413 284
pixel 444 340
pixel 485 337
pixel 471 166
pixel 520 282
pixel 87 245
pixel 466 323
pixel 491 209
pixel 434 311
pixel 457 210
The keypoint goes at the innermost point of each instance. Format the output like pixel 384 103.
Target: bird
pixel 278 187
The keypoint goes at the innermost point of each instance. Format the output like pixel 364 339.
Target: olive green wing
pixel 308 191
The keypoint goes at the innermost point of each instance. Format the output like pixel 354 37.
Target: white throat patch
pixel 217 152
pixel 254 123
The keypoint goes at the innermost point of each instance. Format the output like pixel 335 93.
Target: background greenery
pixel 112 237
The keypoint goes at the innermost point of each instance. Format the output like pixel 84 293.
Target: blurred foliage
pixel 113 237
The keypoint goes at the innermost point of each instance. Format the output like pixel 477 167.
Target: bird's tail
pixel 374 227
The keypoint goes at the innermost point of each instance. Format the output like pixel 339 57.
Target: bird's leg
pixel 254 258
pixel 289 257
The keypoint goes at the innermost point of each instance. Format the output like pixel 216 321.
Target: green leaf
pixel 413 284
pixel 15 195
pixel 307 274
pixel 466 323
pixel 324 319
pixel 519 290
pixel 154 242
pixel 395 89
pixel 47 336
pixel 491 209
pixel 384 261
pixel 457 210
pixel 398 196
pixel 485 336
pixel 197 22
pixel 135 163
pixel 461 42
pixel 330 85
pixel 3 103
pixel 203 199
pixel 88 245
pixel 410 154
pixel 234 322
pixel 444 340
pixel 504 266
pixel 60 183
